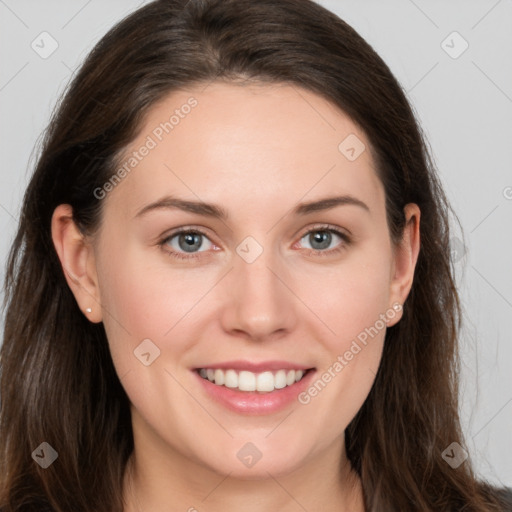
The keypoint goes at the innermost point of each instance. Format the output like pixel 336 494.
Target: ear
pixel 404 264
pixel 77 259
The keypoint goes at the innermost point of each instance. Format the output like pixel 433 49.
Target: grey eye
pixel 190 241
pixel 320 239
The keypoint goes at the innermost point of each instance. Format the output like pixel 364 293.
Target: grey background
pixel 465 108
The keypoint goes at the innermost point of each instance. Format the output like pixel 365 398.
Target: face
pixel 247 246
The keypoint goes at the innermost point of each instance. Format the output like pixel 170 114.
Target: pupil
pixel 191 241
pixel 323 238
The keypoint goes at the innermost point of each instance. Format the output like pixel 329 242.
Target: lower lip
pixel 253 402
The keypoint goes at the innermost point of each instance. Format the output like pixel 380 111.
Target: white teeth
pixel 264 382
pixel 246 381
pixel 219 377
pixel 231 379
pixel 280 379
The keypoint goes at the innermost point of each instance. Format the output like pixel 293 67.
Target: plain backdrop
pixel 453 57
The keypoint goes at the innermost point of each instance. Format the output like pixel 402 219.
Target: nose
pixel 259 303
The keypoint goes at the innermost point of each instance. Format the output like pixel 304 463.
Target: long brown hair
pixel 58 383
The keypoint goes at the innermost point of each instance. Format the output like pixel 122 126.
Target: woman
pixel 220 295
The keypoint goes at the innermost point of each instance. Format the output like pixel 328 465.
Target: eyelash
pixel 180 255
pixel 311 252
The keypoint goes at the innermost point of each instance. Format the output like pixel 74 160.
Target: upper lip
pixel 256 367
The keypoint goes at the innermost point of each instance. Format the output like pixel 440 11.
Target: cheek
pixel 349 297
pixel 142 298
pixel 352 300
pixel 151 301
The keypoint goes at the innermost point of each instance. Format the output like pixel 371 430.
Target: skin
pixel 258 151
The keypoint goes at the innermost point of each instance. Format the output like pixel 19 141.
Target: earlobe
pixel 77 260
pixel 405 258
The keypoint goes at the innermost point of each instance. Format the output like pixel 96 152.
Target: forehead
pixel 259 142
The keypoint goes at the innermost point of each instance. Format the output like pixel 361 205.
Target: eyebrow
pixel 329 203
pixel 199 207
pixel 218 212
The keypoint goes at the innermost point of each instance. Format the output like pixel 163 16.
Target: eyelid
pixel 340 232
pixel 344 234
pixel 185 229
pixel 164 241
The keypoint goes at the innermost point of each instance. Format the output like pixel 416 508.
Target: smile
pixel 264 382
